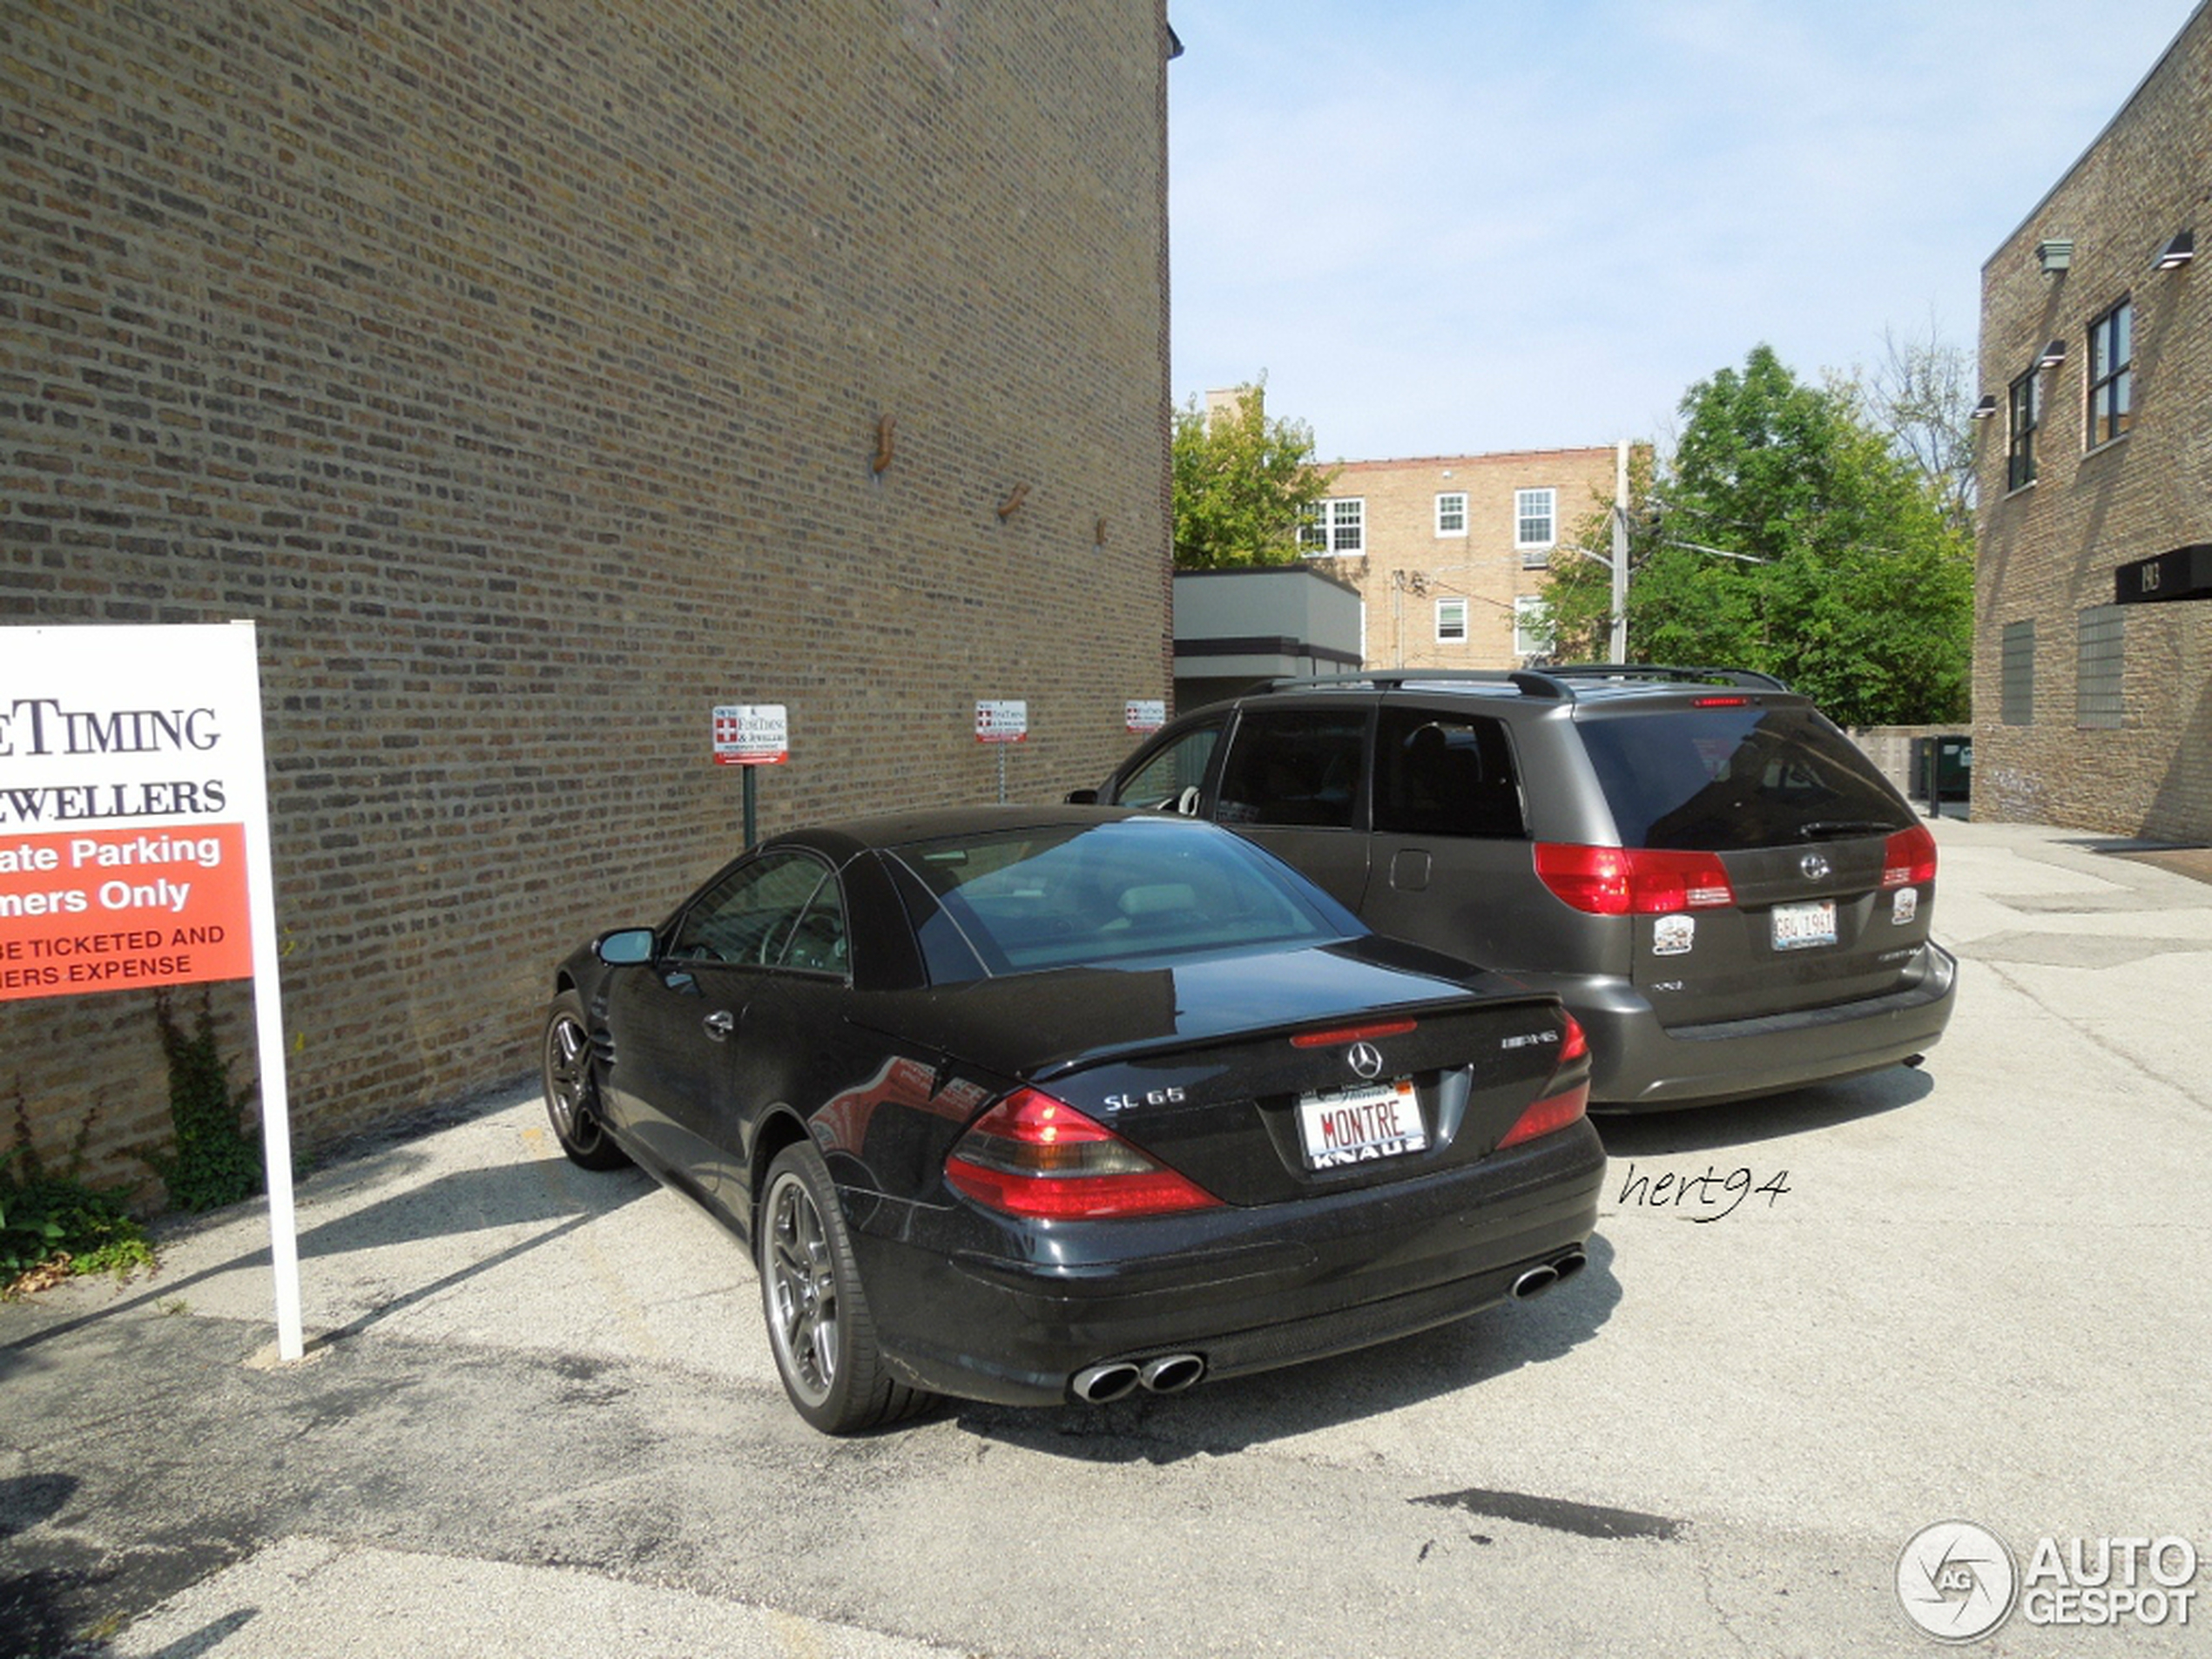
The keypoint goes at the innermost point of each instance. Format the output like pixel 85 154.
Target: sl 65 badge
pixel 1149 1097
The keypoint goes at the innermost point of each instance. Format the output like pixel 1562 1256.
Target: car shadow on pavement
pixel 1741 1123
pixel 1215 1419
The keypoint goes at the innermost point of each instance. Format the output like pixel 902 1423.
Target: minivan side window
pixel 1169 770
pixel 1445 774
pixel 1294 767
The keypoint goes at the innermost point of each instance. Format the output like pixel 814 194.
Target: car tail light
pixel 1032 1155
pixel 1549 1114
pixel 1353 1034
pixel 1632 881
pixel 1909 859
pixel 1576 1042
pixel 1556 1112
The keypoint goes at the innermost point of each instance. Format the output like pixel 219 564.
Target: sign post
pixel 1002 723
pixel 752 735
pixel 134 845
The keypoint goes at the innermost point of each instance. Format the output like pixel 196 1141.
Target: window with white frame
pixel 1450 622
pixel 1332 529
pixel 1535 513
pixel 1531 636
pixel 1451 513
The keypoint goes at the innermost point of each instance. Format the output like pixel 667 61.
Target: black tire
pixel 819 1329
pixel 572 1091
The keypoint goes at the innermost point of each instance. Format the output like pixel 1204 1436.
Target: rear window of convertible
pixel 1017 901
pixel 1724 780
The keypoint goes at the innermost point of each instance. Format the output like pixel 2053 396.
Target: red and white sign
pixel 1146 714
pixel 130 762
pixel 134 845
pixel 1002 722
pixel 751 734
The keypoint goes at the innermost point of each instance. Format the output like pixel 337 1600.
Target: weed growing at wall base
pixel 216 1163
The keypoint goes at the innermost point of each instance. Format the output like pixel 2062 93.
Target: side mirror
pixel 630 947
pixel 1082 798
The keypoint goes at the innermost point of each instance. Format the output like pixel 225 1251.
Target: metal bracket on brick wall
pixel 1012 503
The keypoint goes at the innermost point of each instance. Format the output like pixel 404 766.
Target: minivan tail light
pixel 1909 858
pixel 1032 1155
pixel 1633 880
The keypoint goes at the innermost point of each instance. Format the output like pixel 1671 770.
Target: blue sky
pixel 1447 228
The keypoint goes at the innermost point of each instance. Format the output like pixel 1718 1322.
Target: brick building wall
pixel 2140 764
pixel 1410 564
pixel 519 370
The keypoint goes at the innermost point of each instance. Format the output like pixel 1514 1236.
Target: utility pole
pixel 1621 551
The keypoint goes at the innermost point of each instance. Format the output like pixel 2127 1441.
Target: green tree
pixel 1243 483
pixel 1788 534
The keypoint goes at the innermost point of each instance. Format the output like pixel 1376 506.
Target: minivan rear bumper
pixel 1640 1065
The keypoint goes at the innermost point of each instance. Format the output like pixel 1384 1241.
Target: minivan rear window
pixel 1724 779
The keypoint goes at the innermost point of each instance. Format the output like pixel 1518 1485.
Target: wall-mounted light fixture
pixel 2177 254
pixel 1985 409
pixel 2054 355
pixel 2055 254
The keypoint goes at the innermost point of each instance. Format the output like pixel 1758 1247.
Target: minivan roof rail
pixel 1528 682
pixel 1548 682
pixel 1749 678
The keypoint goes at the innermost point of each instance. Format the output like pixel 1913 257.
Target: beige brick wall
pixel 517 369
pixel 1408 566
pixel 2048 550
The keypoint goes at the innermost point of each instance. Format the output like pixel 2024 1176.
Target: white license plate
pixel 1343 1126
pixel 1801 927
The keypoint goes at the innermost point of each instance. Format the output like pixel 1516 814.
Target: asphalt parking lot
pixel 539 1417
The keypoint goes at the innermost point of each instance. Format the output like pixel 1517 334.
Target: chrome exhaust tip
pixel 1171 1373
pixel 1569 1264
pixel 1536 1281
pixel 1099 1385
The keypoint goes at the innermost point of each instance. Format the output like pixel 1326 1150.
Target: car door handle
pixel 720 1023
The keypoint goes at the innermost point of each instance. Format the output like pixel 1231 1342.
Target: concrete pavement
pixel 540 1417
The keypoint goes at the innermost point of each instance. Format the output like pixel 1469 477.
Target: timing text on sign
pixel 41 725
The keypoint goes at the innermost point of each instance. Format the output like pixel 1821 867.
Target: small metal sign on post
pixel 752 735
pixel 1002 723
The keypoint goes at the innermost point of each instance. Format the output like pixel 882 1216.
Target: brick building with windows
pixel 1449 554
pixel 537 378
pixel 2093 659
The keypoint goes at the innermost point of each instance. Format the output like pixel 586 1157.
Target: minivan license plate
pixel 1357 1126
pixel 1800 927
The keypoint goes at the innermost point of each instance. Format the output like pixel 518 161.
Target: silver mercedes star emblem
pixel 1366 1059
pixel 1814 866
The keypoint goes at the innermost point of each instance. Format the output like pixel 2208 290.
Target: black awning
pixel 2186 573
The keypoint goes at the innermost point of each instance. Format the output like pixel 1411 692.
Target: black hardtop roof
pixel 842 840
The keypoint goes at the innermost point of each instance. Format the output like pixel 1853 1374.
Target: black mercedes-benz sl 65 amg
pixel 1034 1105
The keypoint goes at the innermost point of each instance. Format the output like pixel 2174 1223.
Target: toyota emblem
pixel 1814 866
pixel 1366 1059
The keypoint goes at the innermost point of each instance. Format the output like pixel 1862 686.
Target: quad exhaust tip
pixel 1538 1279
pixel 1113 1379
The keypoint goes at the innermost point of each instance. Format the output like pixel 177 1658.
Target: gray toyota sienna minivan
pixel 1721 886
